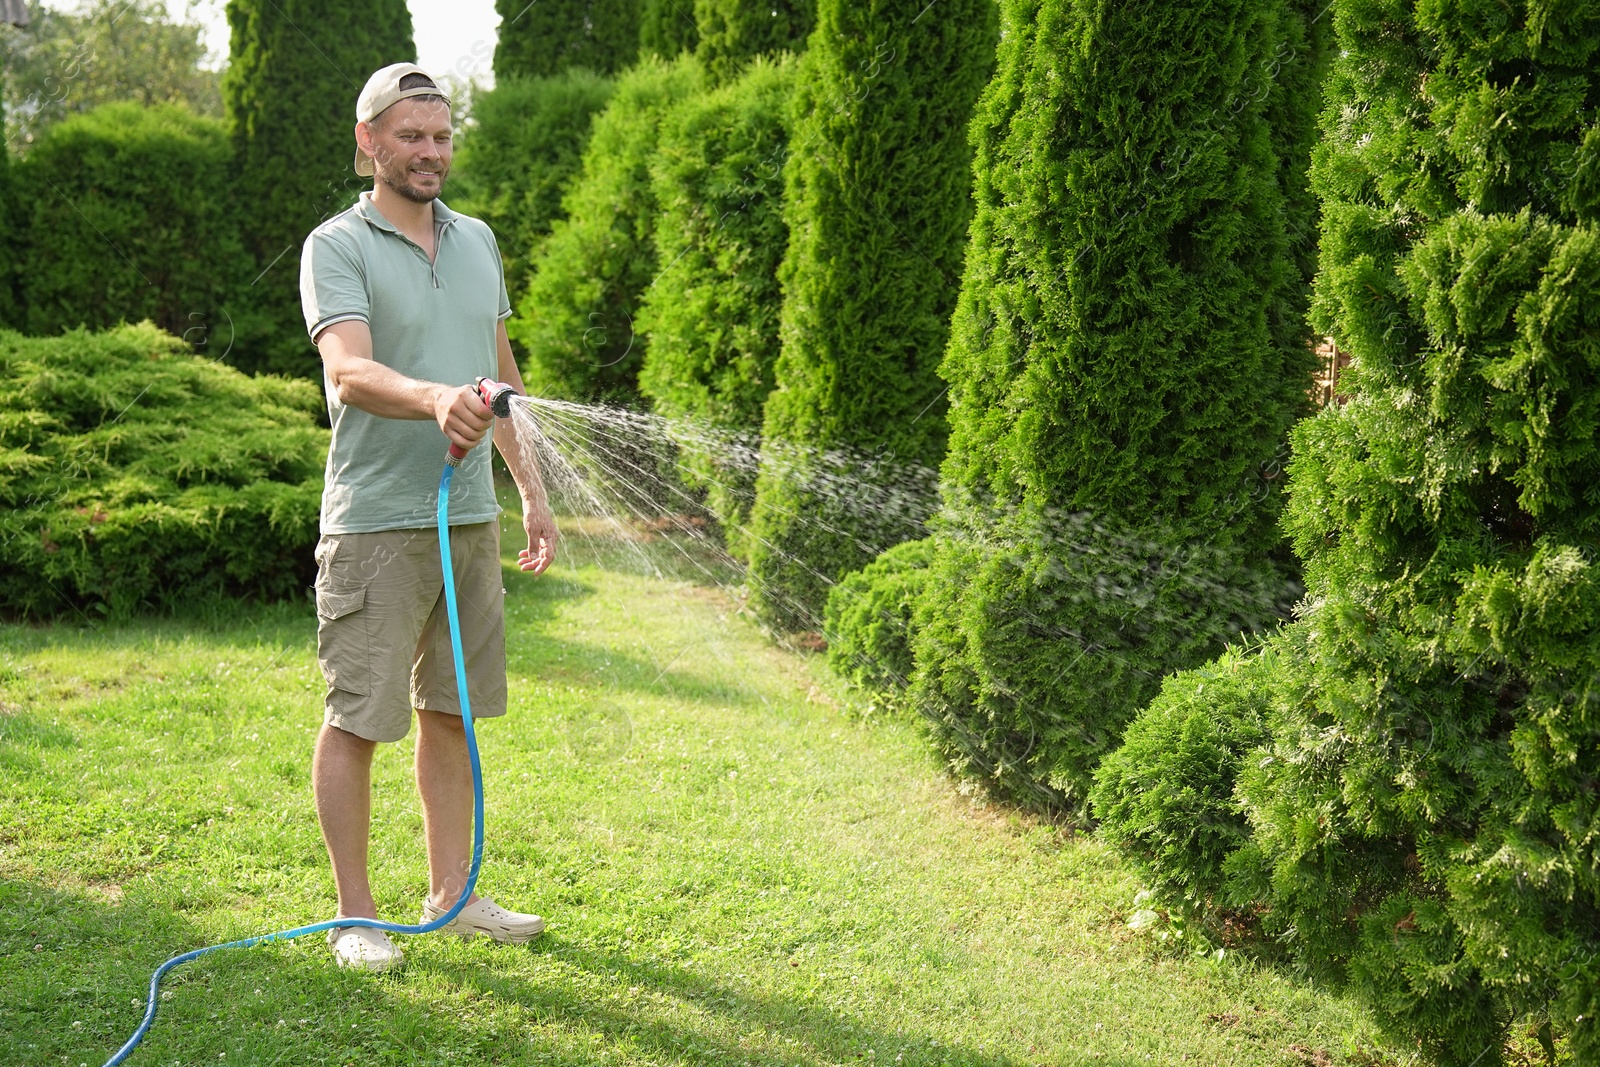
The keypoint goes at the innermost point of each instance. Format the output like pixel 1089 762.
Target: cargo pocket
pixel 343 645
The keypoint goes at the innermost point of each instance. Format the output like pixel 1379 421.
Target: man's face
pixel 410 148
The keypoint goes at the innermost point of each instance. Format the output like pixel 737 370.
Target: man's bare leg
pixel 444 779
pixel 341 780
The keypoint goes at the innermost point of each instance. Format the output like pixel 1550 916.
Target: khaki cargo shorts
pixel 383 638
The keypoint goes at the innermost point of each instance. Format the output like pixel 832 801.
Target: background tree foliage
pixel 544 38
pixel 111 51
pixel 11 218
pixel 877 203
pixel 127 216
pixel 1118 394
pixel 667 28
pixel 711 315
pixel 523 148
pixel 290 93
pixel 576 319
pixel 732 32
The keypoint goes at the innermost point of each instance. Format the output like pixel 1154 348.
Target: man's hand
pixel 462 415
pixel 541 527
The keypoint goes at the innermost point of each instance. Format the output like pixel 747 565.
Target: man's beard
pixel 404 188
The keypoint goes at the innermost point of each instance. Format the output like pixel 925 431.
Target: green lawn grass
pixel 735 867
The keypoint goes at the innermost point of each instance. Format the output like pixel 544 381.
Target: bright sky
pixel 455 38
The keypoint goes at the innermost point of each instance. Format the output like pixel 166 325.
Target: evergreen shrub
pixel 547 37
pixel 524 146
pixel 1117 414
pixel 289 93
pixel 136 475
pixel 576 319
pixel 1425 820
pixel 711 316
pixel 667 28
pixel 732 32
pixel 128 216
pixel 1166 797
pixel 877 202
pixel 871 616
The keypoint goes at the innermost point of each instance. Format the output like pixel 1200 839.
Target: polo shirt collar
pixel 369 211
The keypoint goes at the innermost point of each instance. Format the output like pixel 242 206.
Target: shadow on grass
pixel 22 737
pixel 805 1033
pixel 552 660
pixel 78 996
pixel 70 966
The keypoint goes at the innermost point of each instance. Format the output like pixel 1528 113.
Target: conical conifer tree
pixel 877 204
pixel 540 39
pixel 575 320
pixel 289 93
pixel 1446 735
pixel 1418 819
pixel 1292 78
pixel 667 28
pixel 732 32
pixel 711 314
pixel 1116 383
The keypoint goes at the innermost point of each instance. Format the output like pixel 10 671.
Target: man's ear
pixel 364 138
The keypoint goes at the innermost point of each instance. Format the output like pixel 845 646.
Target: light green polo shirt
pixel 436 321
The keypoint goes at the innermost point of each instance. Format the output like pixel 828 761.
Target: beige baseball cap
pixel 383 91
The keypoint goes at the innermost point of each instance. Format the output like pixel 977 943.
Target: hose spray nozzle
pixel 498 396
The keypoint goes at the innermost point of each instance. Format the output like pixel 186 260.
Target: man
pixel 406 301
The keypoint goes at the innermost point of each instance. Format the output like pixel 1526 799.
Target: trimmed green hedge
pixel 711 317
pixel 877 201
pixel 12 218
pixel 1119 401
pixel 576 318
pixel 516 159
pixel 136 475
pixel 127 217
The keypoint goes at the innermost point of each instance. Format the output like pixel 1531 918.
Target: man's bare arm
pixel 363 382
pixel 536 517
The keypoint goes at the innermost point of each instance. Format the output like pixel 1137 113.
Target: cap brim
pixel 363 164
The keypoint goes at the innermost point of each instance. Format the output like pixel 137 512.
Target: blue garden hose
pixel 477 803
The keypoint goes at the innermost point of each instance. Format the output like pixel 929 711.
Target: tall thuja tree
pixel 525 144
pixel 734 31
pixel 667 28
pixel 878 198
pixel 1426 817
pixel 289 93
pixel 1290 79
pixel 575 320
pixel 1114 394
pixel 548 36
pixel 711 315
